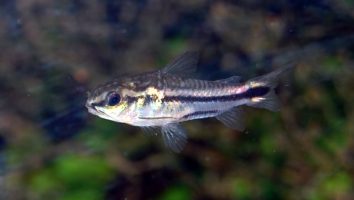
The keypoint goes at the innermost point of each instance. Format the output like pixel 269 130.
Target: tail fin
pixel 270 100
pixel 272 79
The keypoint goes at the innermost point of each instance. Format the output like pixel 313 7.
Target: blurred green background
pixel 52 52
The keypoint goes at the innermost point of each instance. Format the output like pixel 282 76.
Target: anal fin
pixel 174 136
pixel 233 118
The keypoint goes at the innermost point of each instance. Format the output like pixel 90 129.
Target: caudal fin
pixel 263 88
pixel 272 79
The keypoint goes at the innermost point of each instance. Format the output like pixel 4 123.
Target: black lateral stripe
pixel 131 99
pixel 199 113
pixel 250 93
pixel 256 92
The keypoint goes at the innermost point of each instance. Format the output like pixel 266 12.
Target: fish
pixel 161 100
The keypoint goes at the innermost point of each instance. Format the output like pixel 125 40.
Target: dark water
pixel 52 52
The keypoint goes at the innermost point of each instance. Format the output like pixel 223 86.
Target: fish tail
pixel 263 87
pixel 272 79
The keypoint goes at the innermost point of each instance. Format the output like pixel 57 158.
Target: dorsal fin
pixel 184 65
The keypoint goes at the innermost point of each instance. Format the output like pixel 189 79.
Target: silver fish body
pixel 159 101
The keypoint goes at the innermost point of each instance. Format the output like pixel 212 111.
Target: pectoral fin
pixel 174 136
pixel 151 130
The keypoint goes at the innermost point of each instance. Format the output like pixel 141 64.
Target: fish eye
pixel 113 99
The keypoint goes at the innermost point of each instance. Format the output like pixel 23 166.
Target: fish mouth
pixel 89 106
pixel 92 108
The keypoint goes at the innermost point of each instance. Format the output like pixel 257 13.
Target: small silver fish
pixel 159 101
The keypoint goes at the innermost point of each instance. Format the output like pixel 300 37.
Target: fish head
pixel 109 101
pixel 119 100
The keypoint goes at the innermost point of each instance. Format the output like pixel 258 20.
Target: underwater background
pixel 53 52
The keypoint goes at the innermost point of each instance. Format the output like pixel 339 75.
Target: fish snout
pixel 90 104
